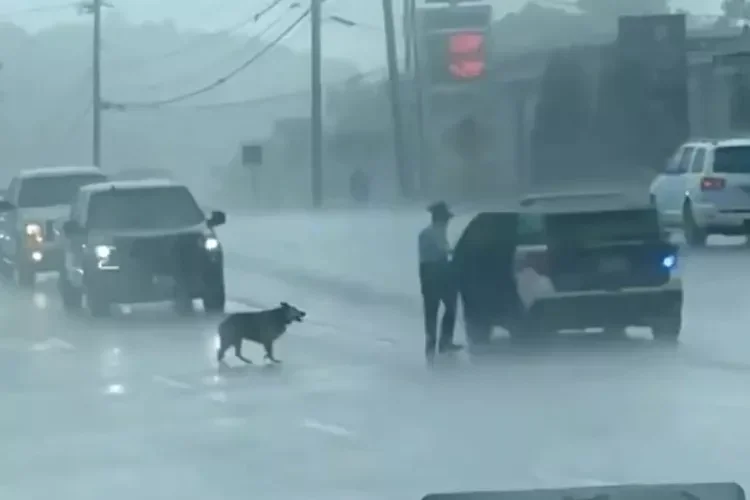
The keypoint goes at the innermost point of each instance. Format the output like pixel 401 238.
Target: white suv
pixel 705 189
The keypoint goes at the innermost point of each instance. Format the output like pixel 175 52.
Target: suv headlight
pixel 102 252
pixel 211 244
pixel 33 229
pixel 34 232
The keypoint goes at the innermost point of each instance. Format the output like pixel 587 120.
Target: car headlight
pixel 33 229
pixel 211 244
pixel 102 252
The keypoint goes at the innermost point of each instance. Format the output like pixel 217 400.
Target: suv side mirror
pixel 71 228
pixel 217 218
pixel 6 206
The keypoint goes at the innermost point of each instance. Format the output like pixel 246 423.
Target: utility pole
pixel 404 177
pixel 97 90
pixel 316 127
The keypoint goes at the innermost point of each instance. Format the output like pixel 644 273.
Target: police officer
pixel 437 281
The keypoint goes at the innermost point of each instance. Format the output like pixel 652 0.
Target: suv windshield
pixel 732 160
pixel 54 190
pixel 151 208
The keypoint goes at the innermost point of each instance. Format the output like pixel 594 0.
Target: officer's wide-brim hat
pixel 440 210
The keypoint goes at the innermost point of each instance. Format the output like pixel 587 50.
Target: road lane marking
pixel 334 430
pixel 170 382
pixel 52 343
pixel 218 396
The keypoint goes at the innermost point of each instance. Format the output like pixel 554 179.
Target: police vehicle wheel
pixel 97 303
pixel 694 235
pixel 72 298
pixel 24 277
pixel 183 303
pixel 667 329
pixel 214 301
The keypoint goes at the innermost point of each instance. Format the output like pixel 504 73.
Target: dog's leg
pixel 221 351
pixel 238 352
pixel 269 353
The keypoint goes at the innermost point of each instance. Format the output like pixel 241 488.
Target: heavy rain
pixel 293 148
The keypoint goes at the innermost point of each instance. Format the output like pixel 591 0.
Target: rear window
pixel 54 190
pixel 732 160
pixel 604 227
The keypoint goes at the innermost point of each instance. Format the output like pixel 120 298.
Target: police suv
pixel 33 203
pixel 141 241
pixel 705 189
pixel 568 264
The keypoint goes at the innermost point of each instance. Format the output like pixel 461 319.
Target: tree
pixel 562 118
pixel 610 9
pixel 735 9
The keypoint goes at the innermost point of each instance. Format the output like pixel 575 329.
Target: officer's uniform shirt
pixel 433 245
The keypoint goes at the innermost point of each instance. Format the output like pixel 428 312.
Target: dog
pixel 262 327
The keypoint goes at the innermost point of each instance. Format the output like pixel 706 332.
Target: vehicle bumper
pixel 42 258
pixel 711 218
pixel 134 286
pixel 629 307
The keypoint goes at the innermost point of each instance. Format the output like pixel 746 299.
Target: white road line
pixel 333 430
pixel 170 382
pixel 218 396
pixel 52 343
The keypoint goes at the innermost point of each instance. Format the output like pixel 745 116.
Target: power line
pixel 230 55
pixel 221 81
pixel 203 40
pixel 267 9
pixel 44 8
pixel 274 97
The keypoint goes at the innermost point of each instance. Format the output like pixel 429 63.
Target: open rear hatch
pixel 607 250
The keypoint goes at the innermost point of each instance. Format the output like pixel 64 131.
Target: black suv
pixel 143 241
pixel 549 267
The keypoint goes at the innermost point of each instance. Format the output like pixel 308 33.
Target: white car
pixel 34 203
pixel 705 189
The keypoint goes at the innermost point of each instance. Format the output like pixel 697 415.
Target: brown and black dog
pixel 262 327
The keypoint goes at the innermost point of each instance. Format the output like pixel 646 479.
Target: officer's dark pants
pixel 438 286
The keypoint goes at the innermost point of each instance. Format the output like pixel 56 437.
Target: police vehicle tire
pixel 668 328
pixel 72 298
pixel 214 301
pixel 694 235
pixel 97 303
pixel 183 303
pixel 24 276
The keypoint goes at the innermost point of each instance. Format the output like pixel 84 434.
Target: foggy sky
pixel 354 44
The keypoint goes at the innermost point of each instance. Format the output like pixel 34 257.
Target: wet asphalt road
pixel 134 406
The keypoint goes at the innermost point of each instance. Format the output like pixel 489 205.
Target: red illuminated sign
pixel 466 55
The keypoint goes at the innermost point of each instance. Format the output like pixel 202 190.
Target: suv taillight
pixel 712 184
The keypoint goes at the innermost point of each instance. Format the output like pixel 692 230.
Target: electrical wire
pixel 275 97
pixel 44 8
pixel 267 9
pixel 230 55
pixel 203 40
pixel 219 82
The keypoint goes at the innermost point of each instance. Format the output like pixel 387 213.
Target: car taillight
pixel 712 184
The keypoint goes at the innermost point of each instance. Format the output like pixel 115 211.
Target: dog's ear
pixel 285 305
